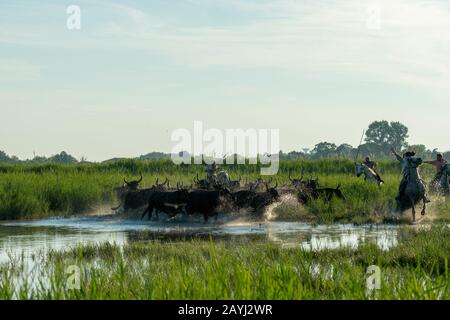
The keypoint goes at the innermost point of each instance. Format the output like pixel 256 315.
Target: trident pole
pixel 360 143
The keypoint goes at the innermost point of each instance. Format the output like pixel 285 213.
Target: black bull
pixel 255 200
pixel 169 202
pixel 175 202
pixel 205 202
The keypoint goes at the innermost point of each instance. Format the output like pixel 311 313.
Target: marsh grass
pixel 415 269
pixel 33 191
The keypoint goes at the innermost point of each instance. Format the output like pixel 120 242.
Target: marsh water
pixel 30 237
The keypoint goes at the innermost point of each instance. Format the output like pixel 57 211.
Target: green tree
pixel 4 157
pixel 385 134
pixel 345 151
pixel 324 150
pixel 421 150
pixel 63 157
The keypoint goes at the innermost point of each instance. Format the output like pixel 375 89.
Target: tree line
pixel 379 138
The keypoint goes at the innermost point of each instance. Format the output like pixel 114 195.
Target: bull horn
pixel 126 182
pixel 156 182
pixel 276 184
pixel 338 186
pixel 140 180
pixel 116 208
pixel 166 182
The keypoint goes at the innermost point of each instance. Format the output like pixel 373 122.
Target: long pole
pixel 360 143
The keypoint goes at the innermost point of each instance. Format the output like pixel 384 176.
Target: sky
pixel 138 70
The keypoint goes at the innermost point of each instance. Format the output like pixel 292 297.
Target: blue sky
pixel 139 69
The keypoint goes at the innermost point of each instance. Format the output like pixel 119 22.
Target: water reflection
pixel 33 236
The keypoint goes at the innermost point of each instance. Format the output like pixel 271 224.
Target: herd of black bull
pixel 198 199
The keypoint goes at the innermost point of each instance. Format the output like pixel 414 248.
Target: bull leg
pixel 148 210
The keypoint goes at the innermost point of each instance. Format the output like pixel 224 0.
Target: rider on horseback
pixel 211 170
pixel 439 164
pixel 404 162
pixel 371 164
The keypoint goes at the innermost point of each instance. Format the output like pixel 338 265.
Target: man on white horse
pixel 371 164
pixel 439 164
pixel 367 168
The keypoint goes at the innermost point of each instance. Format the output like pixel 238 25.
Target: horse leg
pixel 424 209
pixel 413 209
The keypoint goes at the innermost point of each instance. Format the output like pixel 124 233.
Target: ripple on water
pixel 29 237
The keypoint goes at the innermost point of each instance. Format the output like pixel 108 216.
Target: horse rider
pixel 439 164
pixel 404 162
pixel 371 164
pixel 211 170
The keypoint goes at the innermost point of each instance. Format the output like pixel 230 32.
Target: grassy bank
pixel 30 191
pixel 416 269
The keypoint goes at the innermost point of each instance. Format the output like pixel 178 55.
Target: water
pixel 32 237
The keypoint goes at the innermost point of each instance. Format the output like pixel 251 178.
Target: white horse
pixel 369 174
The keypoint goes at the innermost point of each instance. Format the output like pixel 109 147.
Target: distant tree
pixel 63 157
pixel 158 155
pixel 385 134
pixel 345 150
pixel 324 150
pixel 4 157
pixel 39 159
pixel 398 135
pixel 293 155
pixel 421 150
pixel 372 150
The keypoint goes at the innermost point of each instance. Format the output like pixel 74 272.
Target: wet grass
pixel 416 269
pixel 34 191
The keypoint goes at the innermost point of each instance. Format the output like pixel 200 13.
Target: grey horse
pixel 414 191
pixel 444 183
pixel 369 174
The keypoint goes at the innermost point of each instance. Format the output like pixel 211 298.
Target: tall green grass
pixel 29 191
pixel 416 269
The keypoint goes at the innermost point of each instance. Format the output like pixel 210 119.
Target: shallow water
pixel 31 237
